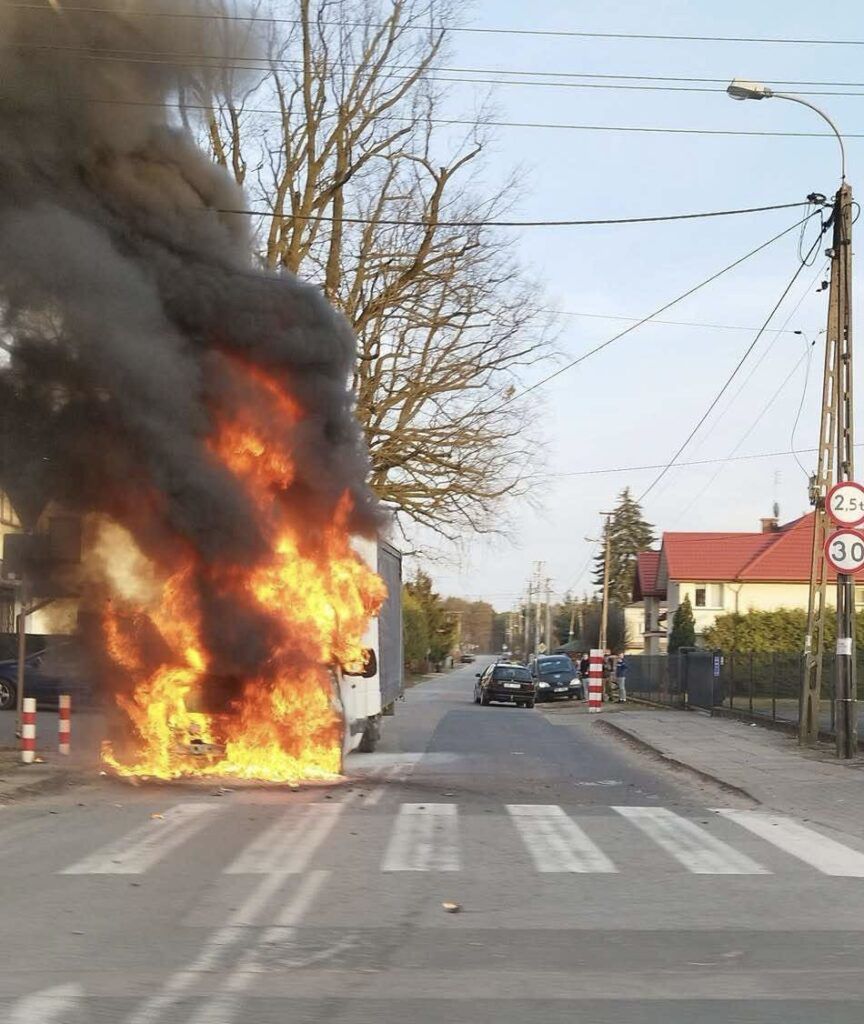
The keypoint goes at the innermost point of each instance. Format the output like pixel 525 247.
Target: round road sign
pixel 845 503
pixel 844 551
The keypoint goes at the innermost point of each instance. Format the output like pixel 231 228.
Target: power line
pixel 657 312
pixel 543 125
pixel 763 411
pixel 600 76
pixel 400 221
pixel 808 348
pixel 237 62
pixel 777 332
pixel 462 30
pixel 218 62
pixel 685 465
pixel 667 323
pixel 734 373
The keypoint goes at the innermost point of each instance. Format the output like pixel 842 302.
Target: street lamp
pixel 739 89
pixel 835 429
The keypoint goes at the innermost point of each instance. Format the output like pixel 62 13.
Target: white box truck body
pixel 366 699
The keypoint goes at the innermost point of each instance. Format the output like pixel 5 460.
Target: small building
pixel 646 616
pixel 724 572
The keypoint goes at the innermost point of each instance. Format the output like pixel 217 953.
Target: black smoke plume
pixel 127 297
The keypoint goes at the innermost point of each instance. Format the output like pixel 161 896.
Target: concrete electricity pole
pixel 604 608
pixel 527 622
pixel 538 569
pixel 548 615
pixel 834 463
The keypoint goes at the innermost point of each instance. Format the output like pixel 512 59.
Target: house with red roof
pixel 645 618
pixel 725 572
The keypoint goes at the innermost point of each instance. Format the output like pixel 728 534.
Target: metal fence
pixel 757 686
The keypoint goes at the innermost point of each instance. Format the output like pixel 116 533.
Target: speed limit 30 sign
pixel 844 551
pixel 845 503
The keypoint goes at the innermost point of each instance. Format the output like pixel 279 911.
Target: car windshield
pixel 514 673
pixel 550 665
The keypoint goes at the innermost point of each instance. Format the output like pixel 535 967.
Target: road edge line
pixel 645 747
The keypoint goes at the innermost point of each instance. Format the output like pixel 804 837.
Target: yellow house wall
pixel 741 597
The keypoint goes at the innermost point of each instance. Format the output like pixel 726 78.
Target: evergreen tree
pixel 629 534
pixel 683 632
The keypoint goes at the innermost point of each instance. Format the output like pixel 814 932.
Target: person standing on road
pixel 621 679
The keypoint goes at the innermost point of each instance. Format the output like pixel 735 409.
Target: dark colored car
pixel 44 680
pixel 504 684
pixel 555 677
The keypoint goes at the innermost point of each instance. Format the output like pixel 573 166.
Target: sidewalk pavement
pixel 768 766
pixel 51 771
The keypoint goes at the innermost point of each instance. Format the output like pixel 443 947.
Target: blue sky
pixel 635 403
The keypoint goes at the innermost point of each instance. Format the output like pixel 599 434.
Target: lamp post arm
pixel 825 117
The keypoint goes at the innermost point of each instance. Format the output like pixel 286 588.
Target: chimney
pixel 769 524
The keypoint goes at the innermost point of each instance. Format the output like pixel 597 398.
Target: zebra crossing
pixel 431 837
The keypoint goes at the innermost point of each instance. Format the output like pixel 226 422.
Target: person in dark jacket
pixel 621 679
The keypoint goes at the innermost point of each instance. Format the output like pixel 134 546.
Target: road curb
pixel 14 784
pixel 621 732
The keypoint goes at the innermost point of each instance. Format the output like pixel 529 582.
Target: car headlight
pixel 543 686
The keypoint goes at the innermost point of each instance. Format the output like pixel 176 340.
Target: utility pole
pixel 604 608
pixel 538 568
pixel 526 624
pixel 548 615
pixel 835 443
pixel 835 429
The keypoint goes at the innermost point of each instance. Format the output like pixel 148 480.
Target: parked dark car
pixel 555 677
pixel 502 683
pixel 44 679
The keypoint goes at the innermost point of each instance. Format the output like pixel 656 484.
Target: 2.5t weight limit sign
pixel 845 503
pixel 844 551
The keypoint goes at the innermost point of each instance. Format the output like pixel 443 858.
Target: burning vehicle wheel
pixel 371 735
pixel 7 695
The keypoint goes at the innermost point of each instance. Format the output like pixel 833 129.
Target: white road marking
pixel 224 1006
pixel 396 772
pixel 146 845
pixel 50 1006
pixel 556 842
pixel 789 835
pixel 690 845
pixel 234 932
pixel 425 838
pixel 289 845
pixel 375 796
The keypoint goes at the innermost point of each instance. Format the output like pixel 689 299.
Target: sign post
pixel 844 552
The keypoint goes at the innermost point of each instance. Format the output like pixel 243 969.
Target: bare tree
pixel 337 133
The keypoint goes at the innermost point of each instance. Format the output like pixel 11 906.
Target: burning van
pixel 363 692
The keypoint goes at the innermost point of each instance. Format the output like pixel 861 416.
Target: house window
pixel 708 595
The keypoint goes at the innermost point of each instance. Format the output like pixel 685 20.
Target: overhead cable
pixel 420 26
pixel 657 312
pixel 400 221
pixel 734 373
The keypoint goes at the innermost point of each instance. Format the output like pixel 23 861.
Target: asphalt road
pixel 594 886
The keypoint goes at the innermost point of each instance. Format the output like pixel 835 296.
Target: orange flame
pixel 284 722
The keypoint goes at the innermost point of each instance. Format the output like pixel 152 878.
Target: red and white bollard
pixel 595 681
pixel 28 730
pixel 64 723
